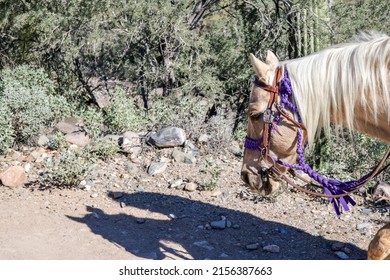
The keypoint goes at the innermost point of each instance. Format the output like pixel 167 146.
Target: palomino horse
pixel 346 85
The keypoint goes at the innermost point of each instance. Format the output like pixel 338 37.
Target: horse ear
pixel 260 67
pixel 271 58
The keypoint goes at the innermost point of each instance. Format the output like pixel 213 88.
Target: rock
pixel 253 246
pixel 43 140
pixel 190 148
pixel 235 149
pixel 183 157
pixel 204 138
pixel 337 246
pixel 168 137
pixel 14 176
pixel 116 195
pixel 94 195
pixel 204 244
pixel 102 98
pixel 70 125
pixel 130 143
pixel 175 184
pixel 381 191
pixel 13 155
pixel 157 168
pixel 190 187
pixel 342 255
pixel 366 211
pixel 140 221
pixel 221 224
pixel 132 169
pixel 272 248
pixel 364 227
pixel 122 204
pixel 80 139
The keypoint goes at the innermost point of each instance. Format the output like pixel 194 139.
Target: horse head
pixel 280 132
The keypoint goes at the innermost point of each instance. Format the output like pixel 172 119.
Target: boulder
pixel 80 139
pixel 70 125
pixel 14 176
pixel 168 137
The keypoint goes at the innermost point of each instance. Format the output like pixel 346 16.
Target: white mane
pixel 328 85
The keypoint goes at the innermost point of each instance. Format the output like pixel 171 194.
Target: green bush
pixel 105 148
pixel 93 119
pixel 123 115
pixel 27 97
pixel 66 171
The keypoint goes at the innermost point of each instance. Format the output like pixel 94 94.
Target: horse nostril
pixel 245 177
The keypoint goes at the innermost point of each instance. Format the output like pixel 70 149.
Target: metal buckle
pixel 268 116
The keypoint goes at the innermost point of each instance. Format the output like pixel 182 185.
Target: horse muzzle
pixel 260 179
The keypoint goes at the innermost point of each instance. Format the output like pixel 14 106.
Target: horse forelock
pixel 329 86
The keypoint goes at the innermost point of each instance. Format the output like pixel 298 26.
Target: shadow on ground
pixel 149 232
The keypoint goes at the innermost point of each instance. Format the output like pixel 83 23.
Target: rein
pixel 336 191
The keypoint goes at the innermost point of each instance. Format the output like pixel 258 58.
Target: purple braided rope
pixel 330 186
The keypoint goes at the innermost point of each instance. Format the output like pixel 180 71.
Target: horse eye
pixel 255 115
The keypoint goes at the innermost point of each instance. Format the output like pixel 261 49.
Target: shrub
pixel 66 171
pixel 105 148
pixel 122 114
pixel 27 97
pixel 213 175
pixel 93 119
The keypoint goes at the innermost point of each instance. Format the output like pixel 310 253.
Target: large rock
pixel 130 143
pixel 70 125
pixel 168 137
pixel 14 176
pixel 80 139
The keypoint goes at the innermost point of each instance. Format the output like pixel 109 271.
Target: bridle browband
pixel 337 192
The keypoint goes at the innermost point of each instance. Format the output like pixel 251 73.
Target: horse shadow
pixel 176 227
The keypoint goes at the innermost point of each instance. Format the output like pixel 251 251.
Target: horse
pixel 344 86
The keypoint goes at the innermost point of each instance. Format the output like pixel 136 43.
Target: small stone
pixel 172 216
pixel 14 176
pixel 363 226
pixel 179 156
pixel 236 226
pixel 175 184
pixel 157 168
pixel 43 140
pixel 141 221
pixel 342 255
pixel 253 246
pixel 13 155
pixel 366 212
pixel 272 248
pixel 122 204
pixel 88 187
pixel 27 167
pixel 94 195
pixel 221 224
pixel 190 187
pixel 346 250
pixel 337 246
pixel 204 244
pixel 204 138
pixel 116 195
